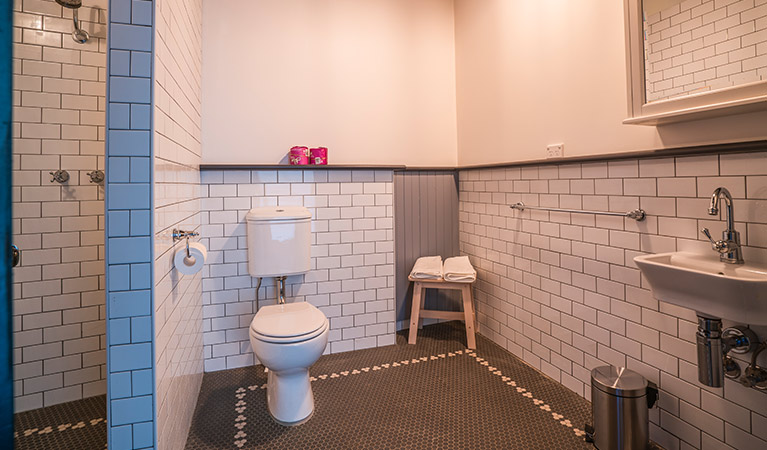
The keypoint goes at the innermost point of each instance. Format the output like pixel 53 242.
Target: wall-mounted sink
pixel 712 288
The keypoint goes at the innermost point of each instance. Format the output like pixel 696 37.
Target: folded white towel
pixel 459 269
pixel 427 268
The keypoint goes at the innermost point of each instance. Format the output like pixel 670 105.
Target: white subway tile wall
pixel 562 292
pixel 59 115
pixel 352 275
pixel 177 155
pixel 701 45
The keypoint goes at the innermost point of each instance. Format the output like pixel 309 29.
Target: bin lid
pixel 619 381
pixel 270 213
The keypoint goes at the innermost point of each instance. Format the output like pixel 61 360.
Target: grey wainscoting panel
pixel 425 224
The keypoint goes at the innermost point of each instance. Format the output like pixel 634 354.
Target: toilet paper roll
pixel 190 266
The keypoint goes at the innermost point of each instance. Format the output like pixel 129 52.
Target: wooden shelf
pixel 733 147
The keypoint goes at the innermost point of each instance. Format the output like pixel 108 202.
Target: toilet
pixel 287 337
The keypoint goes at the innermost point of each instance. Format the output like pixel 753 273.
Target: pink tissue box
pixel 299 156
pixel 319 156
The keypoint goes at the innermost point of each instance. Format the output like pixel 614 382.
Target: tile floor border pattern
pixel 80 424
pixel 58 428
pixel 240 437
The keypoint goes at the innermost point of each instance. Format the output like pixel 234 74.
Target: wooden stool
pixel 418 302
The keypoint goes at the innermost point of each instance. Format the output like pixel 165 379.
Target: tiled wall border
pixel 129 252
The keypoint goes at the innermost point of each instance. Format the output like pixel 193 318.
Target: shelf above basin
pixel 711 288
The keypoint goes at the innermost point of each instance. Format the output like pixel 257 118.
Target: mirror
pixel 693 46
pixel 691 59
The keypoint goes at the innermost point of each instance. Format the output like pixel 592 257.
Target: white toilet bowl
pixel 288 339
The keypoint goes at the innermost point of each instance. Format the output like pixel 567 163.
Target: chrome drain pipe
pixel 710 362
pixel 713 346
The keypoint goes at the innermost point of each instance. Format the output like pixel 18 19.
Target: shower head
pixel 71 4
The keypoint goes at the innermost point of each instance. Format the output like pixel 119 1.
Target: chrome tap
pixel 729 247
pixel 281 289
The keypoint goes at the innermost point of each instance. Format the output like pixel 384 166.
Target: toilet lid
pixel 288 320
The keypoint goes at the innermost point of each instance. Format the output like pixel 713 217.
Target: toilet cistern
pixel 729 246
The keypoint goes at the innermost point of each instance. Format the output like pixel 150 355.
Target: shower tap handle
pixel 60 176
pixel 96 176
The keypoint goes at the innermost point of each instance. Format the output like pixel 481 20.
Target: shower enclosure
pixel 59 364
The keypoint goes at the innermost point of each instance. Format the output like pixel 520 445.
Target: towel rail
pixel 636 214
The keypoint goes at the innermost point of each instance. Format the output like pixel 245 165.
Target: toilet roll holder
pixel 181 234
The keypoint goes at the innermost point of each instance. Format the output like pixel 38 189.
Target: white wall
pixel 531 74
pixel 373 80
pixel 655 6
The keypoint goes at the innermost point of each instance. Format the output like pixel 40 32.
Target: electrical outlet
pixel 555 151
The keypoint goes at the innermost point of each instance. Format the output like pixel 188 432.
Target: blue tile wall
pixel 128 143
pixel 121 438
pixel 132 37
pixel 132 410
pixel 119 62
pixel 119 333
pixel 142 433
pixel 131 303
pixel 130 347
pixel 121 385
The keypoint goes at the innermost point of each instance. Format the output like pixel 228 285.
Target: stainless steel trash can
pixel 620 399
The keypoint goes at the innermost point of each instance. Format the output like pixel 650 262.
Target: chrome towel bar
pixel 636 214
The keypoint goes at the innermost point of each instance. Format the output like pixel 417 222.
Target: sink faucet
pixel 729 247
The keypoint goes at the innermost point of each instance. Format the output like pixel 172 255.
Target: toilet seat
pixel 288 323
pixel 288 340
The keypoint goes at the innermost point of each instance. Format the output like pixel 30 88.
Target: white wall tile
pixel 612 316
pixel 62 262
pixel 352 256
pixel 178 327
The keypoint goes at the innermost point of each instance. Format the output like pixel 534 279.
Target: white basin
pixel 711 288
